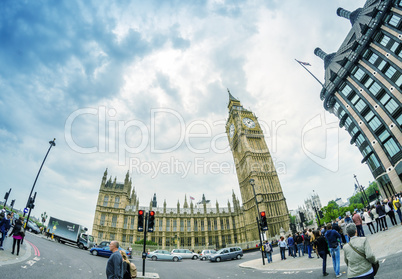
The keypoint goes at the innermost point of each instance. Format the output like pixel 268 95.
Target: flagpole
pixel 310 73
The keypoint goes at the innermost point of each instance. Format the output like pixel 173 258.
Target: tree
pixel 292 219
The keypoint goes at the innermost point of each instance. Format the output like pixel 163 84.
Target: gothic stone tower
pixel 253 161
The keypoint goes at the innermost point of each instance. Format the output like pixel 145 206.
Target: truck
pixel 68 232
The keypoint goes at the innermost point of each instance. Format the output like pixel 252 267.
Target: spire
pixel 217 206
pixel 231 98
pixel 326 57
pixel 154 203
pixel 185 202
pixel 232 101
pixel 352 16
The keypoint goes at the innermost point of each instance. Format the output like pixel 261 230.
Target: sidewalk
pixel 7 258
pixel 383 244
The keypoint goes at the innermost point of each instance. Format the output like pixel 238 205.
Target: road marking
pixel 383 261
pixel 24 266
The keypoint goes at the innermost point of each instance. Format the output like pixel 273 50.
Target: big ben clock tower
pixel 253 161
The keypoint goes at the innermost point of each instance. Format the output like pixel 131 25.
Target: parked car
pixel 164 255
pixel 206 254
pixel 32 227
pixel 227 254
pixel 185 253
pixel 105 251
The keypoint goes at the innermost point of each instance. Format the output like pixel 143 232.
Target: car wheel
pixel 94 252
pixel 81 246
pixel 218 259
pixel 238 257
pixel 195 257
pixel 154 258
pixel 175 259
pixel 203 258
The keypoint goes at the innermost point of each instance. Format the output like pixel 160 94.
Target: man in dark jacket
pixel 299 243
pixel 334 239
pixel 115 262
pixel 4 227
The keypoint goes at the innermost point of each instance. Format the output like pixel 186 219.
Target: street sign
pixel 25 210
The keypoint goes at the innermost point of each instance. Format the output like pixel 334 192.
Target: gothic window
pixel 168 225
pixel 114 221
pixel 132 222
pixel 105 200
pixel 202 225
pixel 174 225
pixel 160 224
pixel 116 202
pixel 100 235
pixel 103 218
pixel 188 225
pixel 112 237
pixel 182 225
pixel 125 222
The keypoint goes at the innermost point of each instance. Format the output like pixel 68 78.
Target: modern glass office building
pixel 363 81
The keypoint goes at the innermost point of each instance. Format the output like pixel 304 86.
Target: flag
pixel 303 63
pixel 191 198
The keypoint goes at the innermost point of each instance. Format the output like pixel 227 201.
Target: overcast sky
pixel 141 87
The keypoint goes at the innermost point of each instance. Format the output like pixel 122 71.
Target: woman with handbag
pixel 360 259
pixel 389 209
pixel 18 233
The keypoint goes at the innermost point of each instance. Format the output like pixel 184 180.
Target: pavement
pixel 383 244
pixel 7 258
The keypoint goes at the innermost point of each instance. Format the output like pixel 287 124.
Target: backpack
pixel 307 238
pixel 126 269
pixel 268 248
pixel 398 204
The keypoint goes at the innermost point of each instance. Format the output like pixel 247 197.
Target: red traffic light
pixel 140 212
pixel 152 213
pixel 262 214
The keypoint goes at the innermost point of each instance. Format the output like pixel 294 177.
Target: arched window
pixel 116 202
pixel 105 200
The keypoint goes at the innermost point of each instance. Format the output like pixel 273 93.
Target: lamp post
pixel 52 143
pixel 252 183
pixel 316 210
pixel 360 187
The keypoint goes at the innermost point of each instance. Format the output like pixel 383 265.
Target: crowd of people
pixel 16 228
pixel 342 233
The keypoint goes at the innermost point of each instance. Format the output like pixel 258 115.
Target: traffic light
pixel 377 193
pixel 321 214
pixel 12 203
pixel 31 203
pixel 140 220
pixel 6 195
pixel 151 221
pixel 263 218
pixel 302 218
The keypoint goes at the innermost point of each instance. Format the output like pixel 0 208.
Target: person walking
pixel 334 238
pixel 307 242
pixel 300 244
pixel 342 225
pixel 282 247
pixel 320 245
pixel 291 246
pixel 115 262
pixel 129 269
pixel 5 225
pixel 396 202
pixel 389 209
pixel 368 220
pixel 18 233
pixel 268 251
pixel 358 256
pixel 376 217
pixel 381 213
pixel 357 219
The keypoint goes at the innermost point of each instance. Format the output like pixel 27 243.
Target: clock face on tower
pixel 248 122
pixel 231 130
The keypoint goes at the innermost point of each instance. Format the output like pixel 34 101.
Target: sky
pixel 141 87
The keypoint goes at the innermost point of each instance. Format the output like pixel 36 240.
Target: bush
pixel 149 242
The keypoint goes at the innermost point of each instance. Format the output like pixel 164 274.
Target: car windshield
pixel 90 238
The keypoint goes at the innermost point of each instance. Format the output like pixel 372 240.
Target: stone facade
pixel 363 83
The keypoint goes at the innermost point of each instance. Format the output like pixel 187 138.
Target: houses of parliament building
pixel 198 225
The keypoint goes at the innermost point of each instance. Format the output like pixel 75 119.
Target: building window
pixel 195 225
pixel 384 41
pixel 132 222
pixel 116 202
pixel 124 238
pixel 348 121
pixel 103 218
pixel 188 225
pixel 391 147
pixel 174 225
pixel 160 224
pixel 399 120
pixel 375 88
pixel 390 72
pixel 112 237
pixel 382 65
pixel 114 221
pixel 369 116
pixel 366 150
pixel 125 222
pixel 130 239
pixel 359 140
pixel 355 99
pixel 361 105
pixel 375 123
pixel 390 104
pixel 369 82
pixel 373 58
pixel 359 74
pixel 100 235
pixel 384 136
pixel 346 90
pixel 202 225
pixel 394 20
pixel 373 162
pixel 182 225
pixel 354 131
pixel 105 200
pixel 168 225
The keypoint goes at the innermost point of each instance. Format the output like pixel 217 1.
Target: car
pixel 105 251
pixel 32 227
pixel 164 255
pixel 206 254
pixel 227 254
pixel 185 254
pixel 103 244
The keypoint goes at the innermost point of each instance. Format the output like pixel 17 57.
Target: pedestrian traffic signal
pixel 321 214
pixel 31 203
pixel 263 220
pixel 151 221
pixel 140 220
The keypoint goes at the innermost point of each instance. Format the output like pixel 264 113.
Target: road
pixel 54 260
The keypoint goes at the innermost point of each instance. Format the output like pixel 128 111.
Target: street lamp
pixel 360 187
pixel 52 143
pixel 252 183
